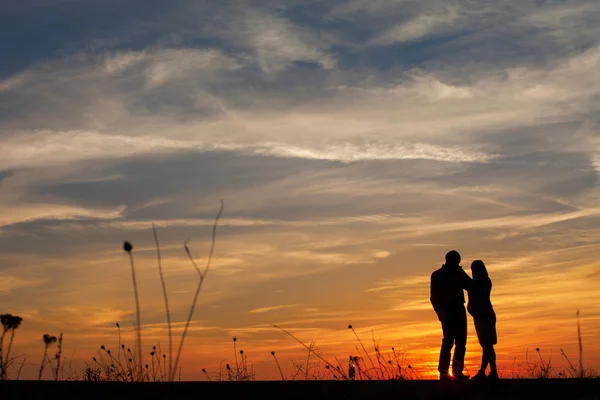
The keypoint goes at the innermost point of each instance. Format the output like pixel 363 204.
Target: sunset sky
pixel 353 143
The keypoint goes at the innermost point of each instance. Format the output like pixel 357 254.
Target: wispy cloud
pixel 277 42
pixel 11 283
pixel 419 26
pixel 382 126
pixel 272 308
pixel 22 213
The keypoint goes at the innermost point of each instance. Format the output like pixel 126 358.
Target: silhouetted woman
pixel 480 307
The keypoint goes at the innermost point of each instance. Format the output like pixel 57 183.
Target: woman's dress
pixel 480 307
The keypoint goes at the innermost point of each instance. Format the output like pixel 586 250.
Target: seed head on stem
pixel 128 247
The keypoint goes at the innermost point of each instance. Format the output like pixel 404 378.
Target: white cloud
pixel 278 43
pixel 11 83
pixel 419 26
pixel 350 152
pixel 29 212
pixel 373 7
pixel 46 148
pixel 272 41
pixel 170 65
pixel 569 23
pixel 120 62
pixel 405 121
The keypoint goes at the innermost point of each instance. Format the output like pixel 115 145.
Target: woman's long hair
pixel 478 269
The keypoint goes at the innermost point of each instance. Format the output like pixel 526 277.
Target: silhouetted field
pixel 514 389
pixel 121 372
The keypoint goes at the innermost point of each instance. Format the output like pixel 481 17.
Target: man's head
pixel 452 258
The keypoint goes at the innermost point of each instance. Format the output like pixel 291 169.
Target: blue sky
pixel 353 143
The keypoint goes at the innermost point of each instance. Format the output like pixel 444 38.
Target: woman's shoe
pixel 445 377
pixel 493 376
pixel 480 376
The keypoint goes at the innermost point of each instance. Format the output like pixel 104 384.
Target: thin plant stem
pixel 581 370
pixel 571 366
pixel 21 368
pixel 382 367
pixel 278 366
pixel 137 312
pixel 3 364
pixel 307 362
pixel 43 363
pixel 119 349
pixel 153 368
pixel 207 376
pixel 49 361
pixel 189 254
pixel 308 348
pixel 363 347
pixel 164 289
pixel 237 365
pixel 12 337
pixel 198 288
pixel 115 361
pixel 58 356
pixel 513 368
pixel 340 368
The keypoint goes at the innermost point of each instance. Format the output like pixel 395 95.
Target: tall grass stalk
pixel 43 363
pixel 4 363
pixel 331 366
pixel 48 341
pixel 278 366
pixel 164 289
pixel 58 356
pixel 9 323
pixel 581 370
pixel 364 349
pixel 119 348
pixel 128 248
pixel 198 288
pixel 237 365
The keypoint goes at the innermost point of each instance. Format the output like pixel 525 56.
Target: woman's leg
pixel 484 350
pixel 492 360
pixel 485 357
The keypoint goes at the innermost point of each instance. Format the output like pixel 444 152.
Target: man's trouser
pixel 454 328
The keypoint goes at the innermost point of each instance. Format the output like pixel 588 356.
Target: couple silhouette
pixel 448 299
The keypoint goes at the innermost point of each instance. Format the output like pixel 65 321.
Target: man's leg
pixel 447 343
pixel 460 338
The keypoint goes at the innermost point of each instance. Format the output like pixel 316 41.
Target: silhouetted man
pixel 448 300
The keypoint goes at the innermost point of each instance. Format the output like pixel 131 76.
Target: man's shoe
pixel 480 376
pixel 461 377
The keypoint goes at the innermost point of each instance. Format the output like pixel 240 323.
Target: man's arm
pixel 467 281
pixel 434 296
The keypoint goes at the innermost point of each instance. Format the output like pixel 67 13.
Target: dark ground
pixel 568 389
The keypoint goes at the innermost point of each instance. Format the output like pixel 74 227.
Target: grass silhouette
pixel 164 290
pixel 365 364
pixel 199 287
pixel 138 328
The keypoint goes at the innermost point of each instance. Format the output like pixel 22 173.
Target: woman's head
pixel 478 269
